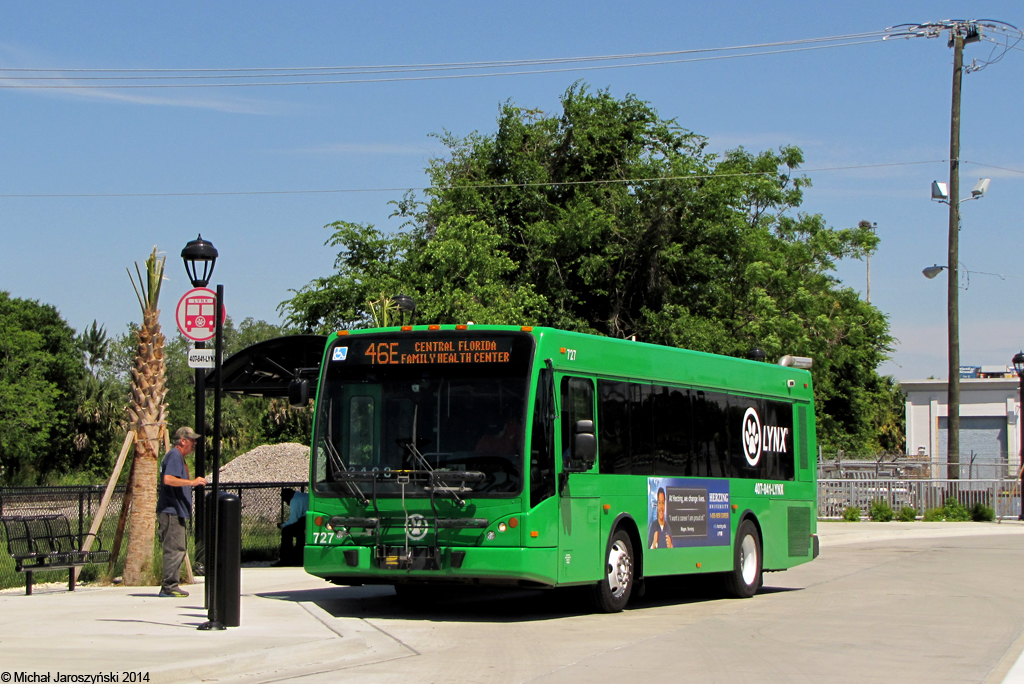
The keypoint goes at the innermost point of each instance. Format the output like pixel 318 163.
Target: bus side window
pixel 613 430
pixel 577 405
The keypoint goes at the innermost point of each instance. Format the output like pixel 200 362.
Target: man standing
pixel 293 531
pixel 174 506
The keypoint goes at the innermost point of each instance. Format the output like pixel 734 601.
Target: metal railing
pixel 835 495
pixel 262 513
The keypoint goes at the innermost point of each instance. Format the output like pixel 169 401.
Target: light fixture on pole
pixel 200 253
pixel 1018 365
pixel 950 196
pixel 406 304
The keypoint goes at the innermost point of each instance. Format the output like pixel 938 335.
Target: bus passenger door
pixel 580 545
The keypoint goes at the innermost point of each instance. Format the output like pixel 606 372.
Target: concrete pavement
pixel 920 601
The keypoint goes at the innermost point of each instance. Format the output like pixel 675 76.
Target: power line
pixel 452 65
pixel 990 166
pixel 480 186
pixel 114 82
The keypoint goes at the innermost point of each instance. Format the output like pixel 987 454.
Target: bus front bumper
pixel 496 565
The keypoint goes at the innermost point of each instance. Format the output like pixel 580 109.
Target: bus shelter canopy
pixel 266 368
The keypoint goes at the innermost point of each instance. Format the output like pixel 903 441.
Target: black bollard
pixel 229 560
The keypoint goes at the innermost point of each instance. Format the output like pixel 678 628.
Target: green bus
pixel 534 457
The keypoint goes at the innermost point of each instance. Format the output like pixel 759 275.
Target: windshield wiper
pixel 338 464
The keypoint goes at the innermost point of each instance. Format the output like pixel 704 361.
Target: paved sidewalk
pixel 284 632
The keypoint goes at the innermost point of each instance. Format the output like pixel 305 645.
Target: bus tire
pixel 745 578
pixel 612 593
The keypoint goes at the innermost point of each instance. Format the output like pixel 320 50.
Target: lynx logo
pixel 416 527
pixel 752 436
pixel 758 438
pixel 340 354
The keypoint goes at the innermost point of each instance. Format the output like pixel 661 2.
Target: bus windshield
pixel 443 403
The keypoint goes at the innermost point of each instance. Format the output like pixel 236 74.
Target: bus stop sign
pixel 195 314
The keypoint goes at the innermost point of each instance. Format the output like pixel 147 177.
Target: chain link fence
pixel 262 513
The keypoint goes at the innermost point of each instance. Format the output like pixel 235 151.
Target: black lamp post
pixel 1018 365
pixel 200 253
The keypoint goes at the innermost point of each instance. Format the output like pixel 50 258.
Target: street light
pixel 406 304
pixel 200 253
pixel 1018 365
pixel 950 196
pixel 196 252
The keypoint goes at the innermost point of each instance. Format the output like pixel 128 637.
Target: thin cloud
pixel 369 149
pixel 12 56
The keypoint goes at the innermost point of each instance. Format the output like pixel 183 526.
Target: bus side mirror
pixel 298 393
pixel 585 444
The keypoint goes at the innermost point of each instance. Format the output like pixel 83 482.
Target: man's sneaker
pixel 176 593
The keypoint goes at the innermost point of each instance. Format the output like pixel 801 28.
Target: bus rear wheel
pixel 745 578
pixel 612 593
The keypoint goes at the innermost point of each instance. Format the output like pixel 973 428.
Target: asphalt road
pixel 939 609
pixel 883 603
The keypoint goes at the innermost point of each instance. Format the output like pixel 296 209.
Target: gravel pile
pixel 288 462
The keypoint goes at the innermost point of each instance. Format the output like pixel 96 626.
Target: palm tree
pixel 148 417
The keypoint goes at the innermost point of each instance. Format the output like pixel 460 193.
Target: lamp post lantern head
pixel 932 271
pixel 1018 363
pixel 756 354
pixel 939 191
pixel 196 252
pixel 406 304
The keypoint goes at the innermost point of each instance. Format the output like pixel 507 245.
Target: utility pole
pixel 953 272
pixel 867 256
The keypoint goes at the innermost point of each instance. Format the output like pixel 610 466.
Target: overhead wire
pixel 115 82
pixel 467 186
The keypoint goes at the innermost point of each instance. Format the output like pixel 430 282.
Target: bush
pixel 881 511
pixel 851 514
pixel 907 514
pixel 955 512
pixel 982 513
pixel 952 511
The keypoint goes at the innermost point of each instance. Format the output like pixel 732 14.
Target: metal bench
pixel 45 542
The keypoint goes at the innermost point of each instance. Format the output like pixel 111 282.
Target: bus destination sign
pixel 426 352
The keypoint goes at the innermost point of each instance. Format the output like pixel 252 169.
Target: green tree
pixel 40 367
pixel 606 218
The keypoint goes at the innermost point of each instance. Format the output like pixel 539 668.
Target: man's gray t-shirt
pixel 177 500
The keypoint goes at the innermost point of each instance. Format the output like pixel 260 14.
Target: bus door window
pixel 577 405
pixel 542 450
pixel 361 424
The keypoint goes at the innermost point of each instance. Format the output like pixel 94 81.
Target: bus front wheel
pixel 745 578
pixel 611 594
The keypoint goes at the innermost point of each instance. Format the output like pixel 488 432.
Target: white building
pixel 989 425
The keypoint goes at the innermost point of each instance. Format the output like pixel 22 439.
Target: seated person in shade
pixel 660 537
pixel 507 442
pixel 293 531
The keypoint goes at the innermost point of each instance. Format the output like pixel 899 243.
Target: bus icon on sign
pixel 196 314
pixel 199 313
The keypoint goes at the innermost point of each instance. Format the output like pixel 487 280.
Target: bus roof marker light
pixel 461 327
pixel 526 328
pixel 406 328
pixel 343 332
pixel 433 327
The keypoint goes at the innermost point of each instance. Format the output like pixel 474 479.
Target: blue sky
pixel 878 103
